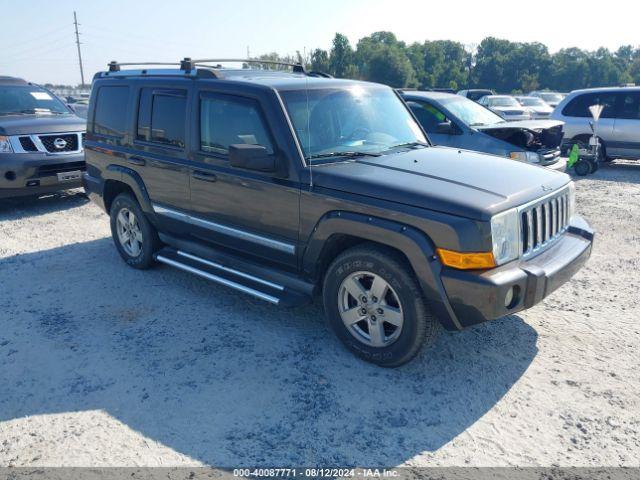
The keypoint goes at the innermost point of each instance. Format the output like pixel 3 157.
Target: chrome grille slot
pixel 543 221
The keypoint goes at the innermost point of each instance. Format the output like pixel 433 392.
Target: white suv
pixel 619 124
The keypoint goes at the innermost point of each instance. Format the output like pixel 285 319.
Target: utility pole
pixel 75 23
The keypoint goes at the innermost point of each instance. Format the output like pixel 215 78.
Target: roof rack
pixel 188 65
pixel 297 67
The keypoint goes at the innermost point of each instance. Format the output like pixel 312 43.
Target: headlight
pixel 530 157
pixel 5 146
pixel 505 234
pixel 572 199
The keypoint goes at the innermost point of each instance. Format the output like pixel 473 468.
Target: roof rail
pixel 297 67
pixel 187 65
pixel 115 66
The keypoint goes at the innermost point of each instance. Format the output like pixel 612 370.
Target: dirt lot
pixel 104 365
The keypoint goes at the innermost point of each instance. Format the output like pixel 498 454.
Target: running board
pixel 230 277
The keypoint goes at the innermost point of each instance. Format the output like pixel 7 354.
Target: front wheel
pixel 376 307
pixel 134 236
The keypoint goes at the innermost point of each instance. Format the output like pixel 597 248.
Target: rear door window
pixel 162 116
pixel 579 106
pixel 110 116
pixel 229 120
pixel 629 106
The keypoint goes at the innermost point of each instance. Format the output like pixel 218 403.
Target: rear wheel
pixel 134 236
pixel 376 307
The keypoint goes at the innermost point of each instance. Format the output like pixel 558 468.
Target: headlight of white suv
pixel 531 157
pixel 505 234
pixel 5 145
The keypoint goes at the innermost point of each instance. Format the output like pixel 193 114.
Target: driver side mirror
pixel 445 128
pixel 251 157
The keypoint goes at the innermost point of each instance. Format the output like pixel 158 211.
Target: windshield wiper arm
pixel 409 144
pixel 343 154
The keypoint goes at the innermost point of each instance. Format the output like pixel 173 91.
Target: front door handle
pixel 204 176
pixel 137 161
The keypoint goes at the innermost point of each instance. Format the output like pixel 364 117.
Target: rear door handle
pixel 204 176
pixel 137 161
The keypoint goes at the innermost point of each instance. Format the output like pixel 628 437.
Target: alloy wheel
pixel 129 233
pixel 370 309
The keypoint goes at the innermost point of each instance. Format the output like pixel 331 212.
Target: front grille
pixel 542 222
pixel 28 145
pixel 54 168
pixel 60 143
pixel 514 112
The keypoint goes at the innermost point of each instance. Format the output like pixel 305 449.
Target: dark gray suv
pixel 289 186
pixel 40 141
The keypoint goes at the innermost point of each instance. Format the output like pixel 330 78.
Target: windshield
pixel 551 97
pixel 532 102
pixel 503 102
pixel 25 99
pixel 358 120
pixel 470 112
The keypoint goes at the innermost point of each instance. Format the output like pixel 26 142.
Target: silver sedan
pixel 538 108
pixel 506 106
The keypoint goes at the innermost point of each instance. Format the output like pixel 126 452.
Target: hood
pixel 540 109
pixel 531 135
pixel 506 109
pixel 28 124
pixel 534 125
pixel 458 182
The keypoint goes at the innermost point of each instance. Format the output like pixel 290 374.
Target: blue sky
pixel 38 43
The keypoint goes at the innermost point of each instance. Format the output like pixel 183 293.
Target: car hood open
pixel 532 125
pixel 448 180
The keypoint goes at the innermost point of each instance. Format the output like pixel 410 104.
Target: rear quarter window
pixel 110 117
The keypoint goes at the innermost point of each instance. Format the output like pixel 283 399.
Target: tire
pixel 582 167
pixel 144 236
pixel 402 319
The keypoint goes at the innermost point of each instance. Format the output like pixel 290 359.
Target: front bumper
pixel 37 173
pixel 560 165
pixel 478 296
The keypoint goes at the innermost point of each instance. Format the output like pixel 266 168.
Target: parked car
pixel 551 98
pixel 80 109
pixel 506 106
pixel 618 127
pixel 537 107
pixel 475 94
pixel 40 141
pixel 287 186
pixel 78 105
pixel 454 121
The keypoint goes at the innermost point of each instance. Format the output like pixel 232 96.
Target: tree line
pixel 495 63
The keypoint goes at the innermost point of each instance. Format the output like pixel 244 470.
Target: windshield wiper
pixel 343 154
pixel 409 144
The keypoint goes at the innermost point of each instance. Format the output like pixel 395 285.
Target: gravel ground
pixel 103 365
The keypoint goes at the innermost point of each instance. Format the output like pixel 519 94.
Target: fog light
pixel 511 299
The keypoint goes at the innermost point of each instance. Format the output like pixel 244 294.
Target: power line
pixel 75 23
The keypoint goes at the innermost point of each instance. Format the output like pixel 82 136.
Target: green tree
pixel 320 61
pixel 381 58
pixel 390 66
pixel 341 57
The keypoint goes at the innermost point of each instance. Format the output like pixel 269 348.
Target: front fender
pixel 414 244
